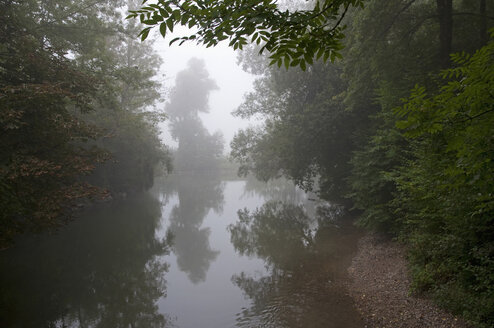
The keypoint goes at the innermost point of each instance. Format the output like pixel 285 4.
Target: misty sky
pixel 232 81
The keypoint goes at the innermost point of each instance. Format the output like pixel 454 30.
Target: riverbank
pixel 379 285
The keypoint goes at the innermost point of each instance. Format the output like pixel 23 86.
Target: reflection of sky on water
pixel 211 291
pixel 214 301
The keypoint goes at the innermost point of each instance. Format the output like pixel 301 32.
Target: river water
pixel 197 251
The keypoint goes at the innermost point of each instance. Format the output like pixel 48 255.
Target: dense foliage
pixel 64 110
pixel 445 193
pixel 294 140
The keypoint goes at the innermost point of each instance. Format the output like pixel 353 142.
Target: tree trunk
pixel 483 37
pixel 445 14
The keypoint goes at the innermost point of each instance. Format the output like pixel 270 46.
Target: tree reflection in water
pixel 306 258
pixel 198 194
pixel 102 270
pixel 275 189
pixel 282 190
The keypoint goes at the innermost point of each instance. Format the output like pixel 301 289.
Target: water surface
pixel 196 251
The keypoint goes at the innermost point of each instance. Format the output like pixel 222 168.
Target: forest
pixel 76 84
pixel 384 107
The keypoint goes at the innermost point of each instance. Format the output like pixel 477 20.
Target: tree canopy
pixel 292 37
pixel 71 99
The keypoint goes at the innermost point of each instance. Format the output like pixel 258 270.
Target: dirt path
pixel 379 286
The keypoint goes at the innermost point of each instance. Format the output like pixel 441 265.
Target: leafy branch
pixel 292 38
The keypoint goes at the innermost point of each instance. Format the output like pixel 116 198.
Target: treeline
pixel 401 130
pixel 75 86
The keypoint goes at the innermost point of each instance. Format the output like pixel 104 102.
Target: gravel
pixel 379 285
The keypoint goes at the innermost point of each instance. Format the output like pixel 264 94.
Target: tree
pixel 445 191
pixel 197 148
pixel 305 133
pixel 292 37
pixel 384 43
pixel 128 113
pixel 43 145
pixel 190 95
pixel 59 71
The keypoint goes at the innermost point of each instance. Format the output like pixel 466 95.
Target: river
pixel 196 251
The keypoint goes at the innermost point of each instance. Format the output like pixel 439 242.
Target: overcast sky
pixel 232 81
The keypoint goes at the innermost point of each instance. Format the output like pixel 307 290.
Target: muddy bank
pixel 379 285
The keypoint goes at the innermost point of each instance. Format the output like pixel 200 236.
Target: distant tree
pixel 197 148
pixel 190 95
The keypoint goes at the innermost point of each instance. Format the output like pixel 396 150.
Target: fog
pixel 221 63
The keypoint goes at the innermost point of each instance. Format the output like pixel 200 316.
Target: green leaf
pixel 295 62
pixel 332 56
pixel 144 33
pixel 163 13
pixel 320 52
pixel 183 21
pixel 326 55
pixel 308 59
pixel 173 41
pixel 169 23
pixel 163 29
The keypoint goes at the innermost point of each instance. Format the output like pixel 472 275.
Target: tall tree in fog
pixel 197 148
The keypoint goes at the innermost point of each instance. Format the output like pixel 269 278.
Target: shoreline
pixel 379 285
